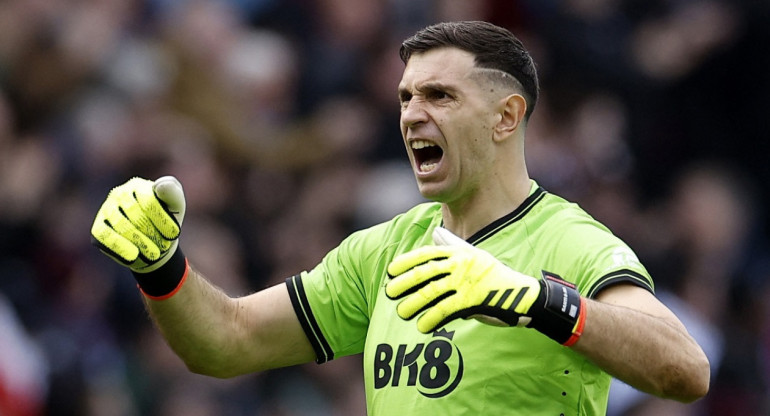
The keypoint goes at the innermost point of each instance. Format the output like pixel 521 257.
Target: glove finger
pixel 443 310
pixel 418 256
pixel 134 213
pixel 170 193
pixel 417 277
pixel 128 231
pixel 153 209
pixel 425 297
pixel 112 243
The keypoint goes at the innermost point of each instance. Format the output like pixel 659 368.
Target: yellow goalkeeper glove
pixel 138 225
pixel 457 280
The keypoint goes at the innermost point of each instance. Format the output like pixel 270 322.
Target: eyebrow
pixel 427 87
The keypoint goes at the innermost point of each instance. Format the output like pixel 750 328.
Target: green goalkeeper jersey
pixel 466 367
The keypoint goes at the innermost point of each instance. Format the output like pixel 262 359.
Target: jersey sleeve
pixel 333 301
pixel 600 259
pixel 331 306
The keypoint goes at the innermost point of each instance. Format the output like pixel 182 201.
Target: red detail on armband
pixel 176 289
pixel 580 325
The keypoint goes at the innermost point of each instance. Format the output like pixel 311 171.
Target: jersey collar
pixel 509 218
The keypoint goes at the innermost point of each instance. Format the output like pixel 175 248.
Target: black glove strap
pixel 166 280
pixel 556 310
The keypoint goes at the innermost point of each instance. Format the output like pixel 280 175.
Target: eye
pixel 404 98
pixel 435 95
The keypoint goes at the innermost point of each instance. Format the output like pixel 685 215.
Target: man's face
pixel 447 120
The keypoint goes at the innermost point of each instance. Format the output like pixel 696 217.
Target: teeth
pixel 421 144
pixel 427 167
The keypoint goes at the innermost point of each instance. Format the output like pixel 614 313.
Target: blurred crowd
pixel 280 118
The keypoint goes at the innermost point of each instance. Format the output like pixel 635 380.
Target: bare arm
pixel 635 338
pixel 220 336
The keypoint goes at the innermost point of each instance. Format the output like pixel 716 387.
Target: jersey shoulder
pixel 586 242
pixel 561 238
pixel 404 228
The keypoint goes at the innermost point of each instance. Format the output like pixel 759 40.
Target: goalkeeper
pixel 497 298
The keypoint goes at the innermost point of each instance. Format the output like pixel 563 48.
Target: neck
pixel 466 217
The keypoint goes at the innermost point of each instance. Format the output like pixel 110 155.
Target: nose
pixel 413 113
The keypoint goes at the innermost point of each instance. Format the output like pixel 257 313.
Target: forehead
pixel 437 65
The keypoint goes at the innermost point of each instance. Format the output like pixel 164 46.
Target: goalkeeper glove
pixel 138 226
pixel 457 280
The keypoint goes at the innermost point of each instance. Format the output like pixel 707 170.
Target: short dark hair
pixel 493 47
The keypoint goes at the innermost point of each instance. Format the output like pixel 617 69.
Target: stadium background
pixel 281 120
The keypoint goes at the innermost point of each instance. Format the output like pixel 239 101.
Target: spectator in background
pixel 23 367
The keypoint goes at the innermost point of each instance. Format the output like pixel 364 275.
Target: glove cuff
pixel 164 282
pixel 559 311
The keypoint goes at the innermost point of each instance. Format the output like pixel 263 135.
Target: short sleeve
pixel 333 300
pixel 600 259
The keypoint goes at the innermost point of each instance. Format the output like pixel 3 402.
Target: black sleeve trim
pixel 313 332
pixel 619 276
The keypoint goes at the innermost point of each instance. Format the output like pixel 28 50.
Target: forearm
pixel 199 324
pixel 220 336
pixel 648 352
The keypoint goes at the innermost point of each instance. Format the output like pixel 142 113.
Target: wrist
pixel 559 311
pixel 165 281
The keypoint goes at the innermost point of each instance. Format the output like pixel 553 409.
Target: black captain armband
pixel 165 281
pixel 559 311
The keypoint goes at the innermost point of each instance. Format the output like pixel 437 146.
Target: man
pixel 553 302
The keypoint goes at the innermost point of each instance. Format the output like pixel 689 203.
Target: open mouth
pixel 427 155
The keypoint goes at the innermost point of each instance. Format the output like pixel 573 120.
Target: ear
pixel 512 109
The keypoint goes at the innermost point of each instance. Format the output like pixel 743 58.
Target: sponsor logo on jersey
pixel 433 368
pixel 624 257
